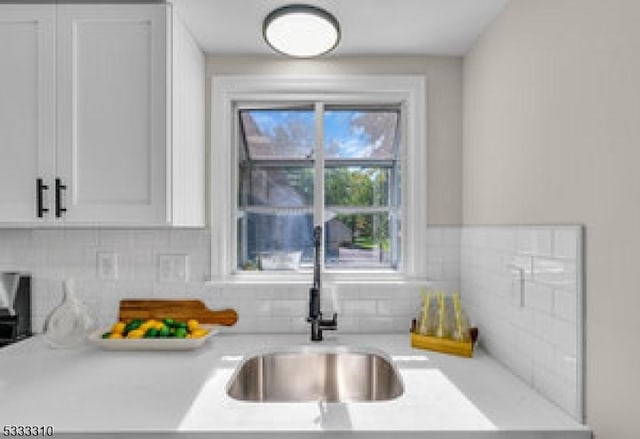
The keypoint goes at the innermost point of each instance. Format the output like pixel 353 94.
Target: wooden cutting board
pixel 131 309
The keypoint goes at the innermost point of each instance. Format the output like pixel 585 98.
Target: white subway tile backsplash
pixel 542 352
pixel 435 237
pixel 435 254
pixel 346 325
pixel 564 305
pixel 566 367
pixel 282 308
pixel 450 271
pixel 271 324
pixel 435 270
pixel 264 308
pixel 390 308
pixel 210 295
pixel 565 337
pixel 503 239
pixel 539 297
pixel 375 325
pixel 517 262
pixel 299 325
pixel 451 237
pixel 401 324
pixel 14 238
pixel 189 238
pixel 565 395
pixel 545 324
pixel 359 307
pixel 498 284
pixel 243 325
pixel 199 264
pixel 7 257
pixel 521 362
pixel 451 255
pixel 81 237
pixel 196 289
pixel 115 238
pixel 169 290
pixel 534 241
pixel 51 239
pixel 547 383
pixel 151 238
pixel 141 261
pixel 556 272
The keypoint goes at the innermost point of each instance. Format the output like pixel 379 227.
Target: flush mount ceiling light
pixel 301 31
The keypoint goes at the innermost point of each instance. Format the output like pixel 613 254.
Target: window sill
pixel 328 278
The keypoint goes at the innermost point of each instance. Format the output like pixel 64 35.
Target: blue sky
pixel 337 128
pixel 352 142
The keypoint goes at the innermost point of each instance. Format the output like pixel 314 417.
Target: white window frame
pixel 407 90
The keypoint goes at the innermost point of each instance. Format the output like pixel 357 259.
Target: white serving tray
pixel 150 344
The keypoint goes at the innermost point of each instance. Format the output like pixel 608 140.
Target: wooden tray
pixel 444 345
pixel 131 309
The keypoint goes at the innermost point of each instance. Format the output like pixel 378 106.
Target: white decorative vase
pixel 69 323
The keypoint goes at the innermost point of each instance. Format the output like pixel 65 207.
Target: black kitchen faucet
pixel 315 316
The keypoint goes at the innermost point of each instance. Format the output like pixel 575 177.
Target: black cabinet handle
pixel 40 188
pixel 59 188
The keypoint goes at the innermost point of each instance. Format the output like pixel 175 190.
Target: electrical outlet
pixel 107 265
pixel 172 268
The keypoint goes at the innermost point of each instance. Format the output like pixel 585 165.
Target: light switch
pixel 107 265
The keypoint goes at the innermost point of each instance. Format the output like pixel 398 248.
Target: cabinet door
pixel 112 113
pixel 26 108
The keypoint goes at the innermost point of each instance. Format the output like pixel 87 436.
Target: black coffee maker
pixel 15 307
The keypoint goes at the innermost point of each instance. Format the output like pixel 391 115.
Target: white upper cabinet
pixel 26 109
pixel 111 112
pixel 115 159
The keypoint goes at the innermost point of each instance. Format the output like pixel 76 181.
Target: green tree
pixel 359 187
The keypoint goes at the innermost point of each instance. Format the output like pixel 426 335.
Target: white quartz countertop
pixel 183 393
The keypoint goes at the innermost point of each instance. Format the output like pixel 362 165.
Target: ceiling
pixel 369 27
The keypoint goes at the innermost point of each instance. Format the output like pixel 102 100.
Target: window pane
pixel 357 186
pixel 274 240
pixel 362 240
pixel 276 186
pixel 278 134
pixel 361 179
pixel 363 134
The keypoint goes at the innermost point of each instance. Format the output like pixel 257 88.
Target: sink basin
pixel 336 375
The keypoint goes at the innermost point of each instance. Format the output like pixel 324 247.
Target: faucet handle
pixel 330 324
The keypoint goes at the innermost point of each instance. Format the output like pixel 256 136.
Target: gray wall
pixel 444 103
pixel 552 135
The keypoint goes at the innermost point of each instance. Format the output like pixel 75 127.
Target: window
pixel 275 188
pixel 287 153
pixel 358 171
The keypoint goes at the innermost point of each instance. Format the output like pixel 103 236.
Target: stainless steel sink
pixel 336 375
